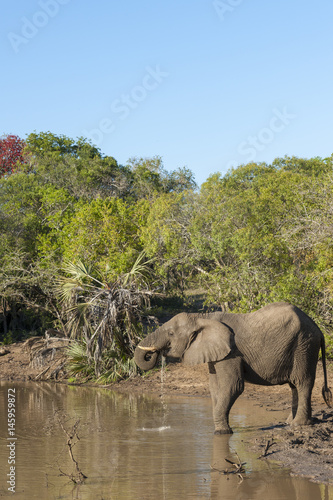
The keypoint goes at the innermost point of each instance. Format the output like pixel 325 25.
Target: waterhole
pixel 137 447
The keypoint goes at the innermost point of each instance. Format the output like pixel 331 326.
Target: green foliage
pixel 76 166
pixel 329 345
pixel 26 295
pixel 46 144
pixel 103 232
pixel 8 338
pixel 116 367
pixel 78 363
pixel 104 315
pixel 166 237
pixel 259 234
pixel 262 233
pixel 149 178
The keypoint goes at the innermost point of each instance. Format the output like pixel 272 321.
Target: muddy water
pixel 137 447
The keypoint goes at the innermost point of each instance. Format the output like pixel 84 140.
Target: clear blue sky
pixel 203 84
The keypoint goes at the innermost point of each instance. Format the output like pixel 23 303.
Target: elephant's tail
pixel 327 394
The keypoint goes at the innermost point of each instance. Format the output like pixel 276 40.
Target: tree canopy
pixel 11 154
pixel 258 234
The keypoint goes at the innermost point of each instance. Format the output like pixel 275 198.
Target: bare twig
pixel 238 468
pixel 269 444
pixel 72 438
pixel 42 373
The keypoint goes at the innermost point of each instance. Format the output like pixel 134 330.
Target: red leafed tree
pixel 11 153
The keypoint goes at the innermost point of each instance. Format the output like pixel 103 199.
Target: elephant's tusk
pixel 150 349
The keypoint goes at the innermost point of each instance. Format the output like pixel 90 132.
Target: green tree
pixel 149 178
pixel 166 237
pixel 241 231
pixel 103 232
pixel 76 166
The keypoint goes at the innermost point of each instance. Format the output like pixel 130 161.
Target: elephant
pixel 274 345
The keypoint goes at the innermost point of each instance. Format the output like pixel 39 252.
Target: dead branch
pixel 269 444
pixel 78 476
pixel 55 372
pixel 42 373
pixel 238 468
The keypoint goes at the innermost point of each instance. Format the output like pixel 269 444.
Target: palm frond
pixel 139 269
pixel 65 287
pixel 78 363
pixel 104 315
pixel 80 271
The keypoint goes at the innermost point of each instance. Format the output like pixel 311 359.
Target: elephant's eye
pixel 170 333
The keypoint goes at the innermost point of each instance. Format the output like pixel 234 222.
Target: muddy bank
pixel 307 451
pixel 35 359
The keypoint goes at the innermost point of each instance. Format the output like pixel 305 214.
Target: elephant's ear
pixel 213 341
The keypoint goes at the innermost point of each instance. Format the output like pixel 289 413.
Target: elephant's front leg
pixel 226 385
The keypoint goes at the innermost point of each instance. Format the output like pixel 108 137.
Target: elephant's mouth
pixel 149 351
pixel 153 352
pixel 149 354
pixel 170 356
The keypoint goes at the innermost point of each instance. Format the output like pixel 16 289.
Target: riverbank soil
pixel 35 359
pixel 307 451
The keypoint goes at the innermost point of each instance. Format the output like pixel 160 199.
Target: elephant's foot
pixel 290 419
pixel 298 422
pixel 226 430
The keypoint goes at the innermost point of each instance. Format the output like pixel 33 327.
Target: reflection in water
pixel 156 429
pixel 137 447
pixel 271 483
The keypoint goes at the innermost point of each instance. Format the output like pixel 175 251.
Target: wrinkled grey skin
pixel 275 345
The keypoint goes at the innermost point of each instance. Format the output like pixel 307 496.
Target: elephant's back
pixel 272 338
pixel 274 321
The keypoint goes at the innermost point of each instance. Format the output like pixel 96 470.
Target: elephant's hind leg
pixel 294 403
pixel 302 378
pixel 303 413
pixel 301 383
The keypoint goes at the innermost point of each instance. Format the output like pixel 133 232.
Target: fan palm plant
pixel 105 314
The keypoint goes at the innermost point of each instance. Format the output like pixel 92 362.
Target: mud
pixel 307 451
pixel 35 359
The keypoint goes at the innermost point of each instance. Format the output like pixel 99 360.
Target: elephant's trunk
pixel 145 357
pixel 147 351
